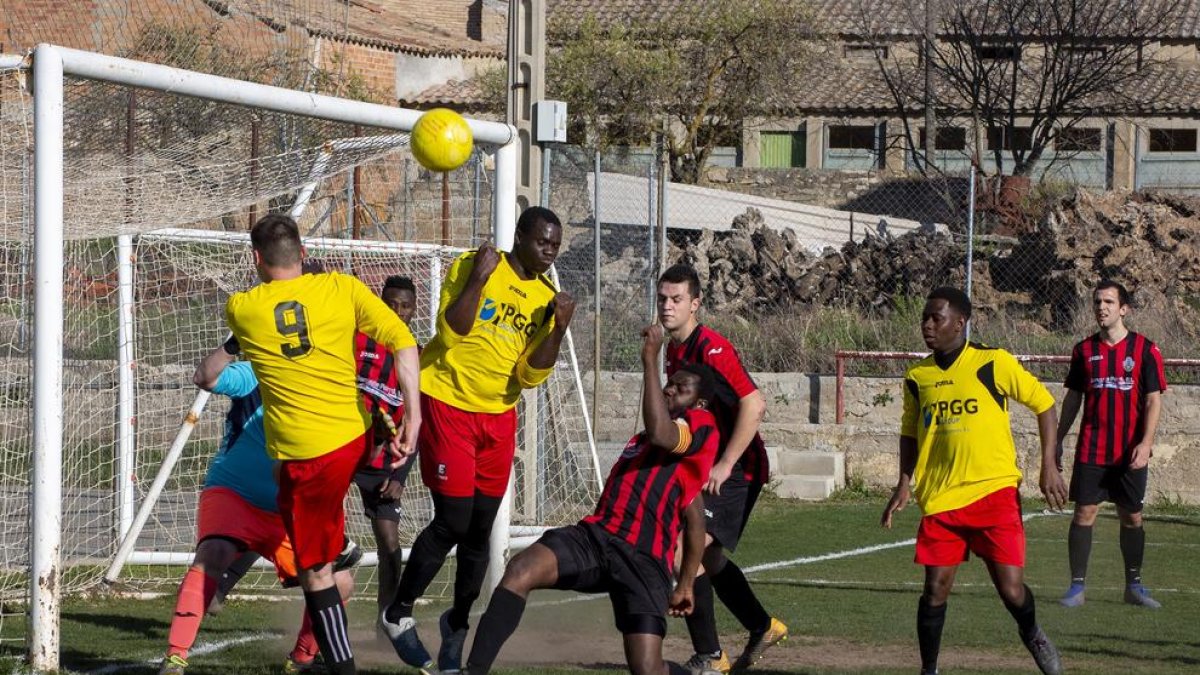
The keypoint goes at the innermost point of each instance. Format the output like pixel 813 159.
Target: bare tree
pixel 705 68
pixel 1029 69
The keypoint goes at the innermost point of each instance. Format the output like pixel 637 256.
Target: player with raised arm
pixel 298 332
pixel 500 325
pixel 956 445
pixel 238 514
pixel 1117 375
pixel 625 548
pixel 738 476
pixel 379 486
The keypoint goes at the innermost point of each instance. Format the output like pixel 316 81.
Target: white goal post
pixel 50 65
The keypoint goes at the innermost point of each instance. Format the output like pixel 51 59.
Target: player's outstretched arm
pixel 408 375
pixel 903 491
pixel 661 430
pixel 683 598
pixel 209 370
pixel 1052 484
pixel 1070 408
pixel 460 312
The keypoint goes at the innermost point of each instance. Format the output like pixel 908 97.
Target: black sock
pixel 1025 615
pixel 930 621
pixel 235 572
pixel 329 626
pixel 473 558
pixel 1079 549
pixel 702 622
pixel 496 625
pixel 735 592
pixel 1133 548
pixel 451 520
pixel 399 610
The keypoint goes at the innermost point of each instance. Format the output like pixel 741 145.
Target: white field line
pixel 917 584
pixel 808 560
pixel 203 649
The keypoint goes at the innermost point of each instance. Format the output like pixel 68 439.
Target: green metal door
pixel 781 149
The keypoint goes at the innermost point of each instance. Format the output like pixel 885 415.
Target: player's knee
pixel 387 535
pixel 1085 514
pixel 1131 520
pixel 937 591
pixel 522 575
pixel 714 559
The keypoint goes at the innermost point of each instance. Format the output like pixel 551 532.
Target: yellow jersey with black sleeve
pixel 299 336
pixel 959 417
pixel 486 369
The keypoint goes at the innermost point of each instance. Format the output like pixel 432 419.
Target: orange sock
pixel 306 648
pixel 196 591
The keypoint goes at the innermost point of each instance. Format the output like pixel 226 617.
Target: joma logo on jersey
pixel 948 412
pixel 506 315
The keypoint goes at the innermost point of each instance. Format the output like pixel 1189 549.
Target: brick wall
pixel 376 66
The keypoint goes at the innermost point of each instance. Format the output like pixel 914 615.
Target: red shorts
pixel 464 452
pixel 224 514
pixel 990 527
pixel 311 492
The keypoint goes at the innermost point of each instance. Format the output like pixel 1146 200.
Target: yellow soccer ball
pixel 441 140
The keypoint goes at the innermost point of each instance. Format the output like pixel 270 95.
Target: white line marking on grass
pixel 202 650
pixel 808 560
pixel 906 584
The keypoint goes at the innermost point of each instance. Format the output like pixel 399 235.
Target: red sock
pixel 306 648
pixel 196 591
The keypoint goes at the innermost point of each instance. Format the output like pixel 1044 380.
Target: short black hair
pixel 1122 292
pixel 708 381
pixel 276 237
pixel 954 297
pixel 534 215
pixel 682 273
pixel 400 283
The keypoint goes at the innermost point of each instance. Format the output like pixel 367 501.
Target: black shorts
pixel 591 560
pixel 727 513
pixel 369 480
pixel 1125 487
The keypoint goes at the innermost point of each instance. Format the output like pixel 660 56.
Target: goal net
pixel 158 190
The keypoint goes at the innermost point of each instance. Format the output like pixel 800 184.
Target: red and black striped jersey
pixel 708 347
pixel 648 488
pixel 378 383
pixel 1114 381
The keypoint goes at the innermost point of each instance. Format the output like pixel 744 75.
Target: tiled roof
pixel 831 17
pixel 110 26
pixel 841 86
pixel 414 26
pixel 463 95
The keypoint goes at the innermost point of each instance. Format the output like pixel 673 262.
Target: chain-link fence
pixel 798 263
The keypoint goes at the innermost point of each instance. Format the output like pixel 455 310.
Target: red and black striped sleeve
pixel 1153 378
pixel 1077 379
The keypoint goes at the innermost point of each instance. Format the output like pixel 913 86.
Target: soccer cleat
pixel 173 664
pixel 1137 594
pixel 1045 654
pixel 291 666
pixel 1073 597
pixel 450 653
pixel 406 642
pixel 759 643
pixel 704 664
pixel 349 556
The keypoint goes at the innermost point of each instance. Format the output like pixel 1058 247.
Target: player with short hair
pixel 737 478
pixel 380 487
pixel 1117 375
pixel 500 325
pixel 956 445
pixel 625 548
pixel 238 515
pixel 298 332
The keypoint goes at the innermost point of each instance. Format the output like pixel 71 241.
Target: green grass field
pixel 851 609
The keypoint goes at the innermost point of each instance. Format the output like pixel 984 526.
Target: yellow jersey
pixel 299 336
pixel 959 417
pixel 485 370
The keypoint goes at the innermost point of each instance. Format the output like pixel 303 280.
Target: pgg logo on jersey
pixel 506 316
pixel 948 412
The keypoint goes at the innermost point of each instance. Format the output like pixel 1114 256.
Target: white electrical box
pixel 550 121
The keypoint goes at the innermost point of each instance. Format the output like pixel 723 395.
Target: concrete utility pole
pixel 526 85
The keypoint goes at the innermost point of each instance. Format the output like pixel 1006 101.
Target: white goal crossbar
pixel 50 65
